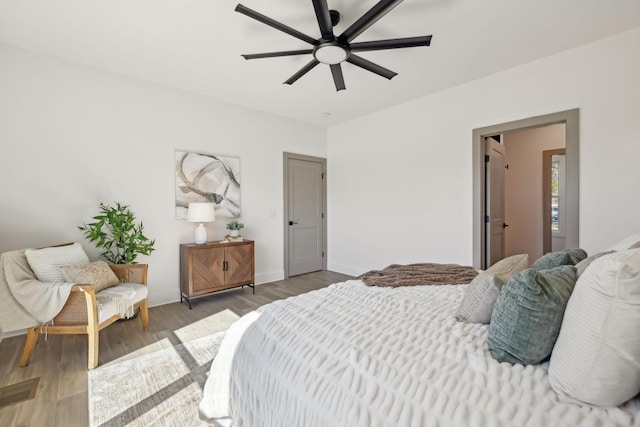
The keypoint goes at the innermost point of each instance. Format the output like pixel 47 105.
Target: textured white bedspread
pixel 354 356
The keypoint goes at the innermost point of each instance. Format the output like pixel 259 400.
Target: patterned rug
pixel 162 388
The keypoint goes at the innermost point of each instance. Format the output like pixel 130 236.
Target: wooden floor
pixel 61 361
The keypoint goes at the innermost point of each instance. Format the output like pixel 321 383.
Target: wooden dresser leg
pixel 29 345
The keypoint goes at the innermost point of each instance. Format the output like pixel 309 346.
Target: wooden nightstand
pixel 214 267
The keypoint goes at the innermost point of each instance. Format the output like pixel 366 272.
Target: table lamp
pixel 201 213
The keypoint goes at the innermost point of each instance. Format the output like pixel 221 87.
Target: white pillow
pixel 481 294
pixel 582 265
pixel 596 359
pixel 46 262
pixel 626 243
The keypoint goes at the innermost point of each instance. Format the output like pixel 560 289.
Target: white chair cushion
pixel 109 308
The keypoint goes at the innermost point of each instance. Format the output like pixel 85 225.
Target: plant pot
pixel 234 233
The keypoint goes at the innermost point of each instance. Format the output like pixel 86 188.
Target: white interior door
pixel 495 203
pixel 305 213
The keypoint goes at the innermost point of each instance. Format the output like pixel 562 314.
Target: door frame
pixel 571 120
pixel 285 212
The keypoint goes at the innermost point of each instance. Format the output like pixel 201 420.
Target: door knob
pixel 293 222
pixel 504 225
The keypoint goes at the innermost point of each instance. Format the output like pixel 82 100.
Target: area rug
pixel 162 388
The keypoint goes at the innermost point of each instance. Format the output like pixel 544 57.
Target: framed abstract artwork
pixel 207 178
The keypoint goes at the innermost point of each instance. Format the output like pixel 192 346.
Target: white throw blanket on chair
pixel 124 299
pixel 24 301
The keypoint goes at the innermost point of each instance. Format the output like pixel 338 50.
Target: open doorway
pixel 481 237
pixel 528 189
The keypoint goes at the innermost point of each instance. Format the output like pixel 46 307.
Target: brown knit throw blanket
pixel 419 274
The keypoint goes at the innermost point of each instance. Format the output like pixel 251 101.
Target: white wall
pixel 523 187
pixel 400 180
pixel 73 136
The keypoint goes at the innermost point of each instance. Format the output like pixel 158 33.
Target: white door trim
pixel 285 216
pixel 571 119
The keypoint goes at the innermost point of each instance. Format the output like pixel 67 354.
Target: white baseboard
pixel 346 269
pixel 165 297
pixel 269 277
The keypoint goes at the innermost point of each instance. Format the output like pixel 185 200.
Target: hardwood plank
pixel 61 360
pixel 70 384
pixel 76 412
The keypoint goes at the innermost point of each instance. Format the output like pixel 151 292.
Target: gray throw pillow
pixel 558 258
pixel 526 319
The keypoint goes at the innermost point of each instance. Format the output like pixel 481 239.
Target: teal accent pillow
pixel 527 316
pixel 558 258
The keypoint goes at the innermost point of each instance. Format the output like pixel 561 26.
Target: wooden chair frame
pixel 80 314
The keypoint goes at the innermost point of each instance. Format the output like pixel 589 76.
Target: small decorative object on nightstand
pixel 234 228
pixel 201 213
pixel 215 266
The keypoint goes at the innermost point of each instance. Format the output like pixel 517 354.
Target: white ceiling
pixel 195 45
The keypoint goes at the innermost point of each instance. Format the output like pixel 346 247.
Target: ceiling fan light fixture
pixel 330 54
pixel 332 49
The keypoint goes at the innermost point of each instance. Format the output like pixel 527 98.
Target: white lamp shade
pixel 201 212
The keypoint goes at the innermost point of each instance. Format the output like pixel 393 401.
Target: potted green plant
pixel 234 227
pixel 118 235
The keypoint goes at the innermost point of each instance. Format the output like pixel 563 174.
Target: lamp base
pixel 201 235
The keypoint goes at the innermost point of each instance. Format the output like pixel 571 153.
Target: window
pixel 555 195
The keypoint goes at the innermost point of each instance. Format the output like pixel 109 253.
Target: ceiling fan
pixel 333 50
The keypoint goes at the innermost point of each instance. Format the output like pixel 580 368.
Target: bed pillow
pixel 97 273
pixel 481 294
pixel 596 358
pixel 629 242
pixel 528 313
pixel 558 258
pixel 46 262
pixel 582 265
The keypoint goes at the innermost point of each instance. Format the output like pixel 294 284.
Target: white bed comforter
pixel 354 356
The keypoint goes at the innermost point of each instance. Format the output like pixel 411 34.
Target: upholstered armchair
pixel 57 290
pixel 80 314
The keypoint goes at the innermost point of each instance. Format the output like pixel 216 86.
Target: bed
pixel 357 355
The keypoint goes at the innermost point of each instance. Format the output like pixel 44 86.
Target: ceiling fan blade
pixel 391 44
pixel 324 18
pixel 338 78
pixel 370 66
pixel 304 70
pixel 368 19
pixel 273 23
pixel 276 54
